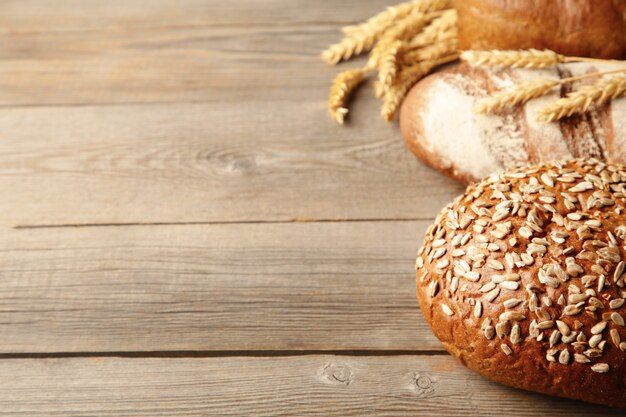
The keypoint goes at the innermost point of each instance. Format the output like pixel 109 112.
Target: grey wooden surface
pixel 185 232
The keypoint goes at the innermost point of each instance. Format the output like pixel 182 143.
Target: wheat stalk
pixel 603 91
pixel 518 95
pixel 525 58
pixel 343 85
pixel 360 38
pixel 530 58
pixel 406 79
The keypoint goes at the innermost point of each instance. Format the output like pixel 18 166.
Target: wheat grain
pixel 529 58
pixel 360 38
pixel 343 85
pixel 388 65
pixel 406 79
pixel 517 95
pixel 601 92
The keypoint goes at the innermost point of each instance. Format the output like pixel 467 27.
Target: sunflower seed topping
pixel 599 328
pixel 600 368
pixel 617 319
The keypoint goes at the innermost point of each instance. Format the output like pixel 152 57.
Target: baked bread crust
pixel 522 279
pixel 440 127
pixel 572 27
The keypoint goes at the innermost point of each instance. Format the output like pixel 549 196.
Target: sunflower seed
pixel 545 178
pixel 442 264
pixel 546 324
pixel 615 336
pixel 599 328
pixel 610 253
pixel 487 287
pixel 447 310
pixel 510 285
pixel 554 338
pixel 511 302
pixel 563 327
pixel 525 232
pixel 493 294
pixel 454 285
pixel 478 309
pixel 577 298
pixel 472 276
pixel 600 368
pixel 616 303
pixel 595 340
pixel 617 319
pixel 593 353
pixel 439 253
pixel 512 316
pixel 516 334
pixel 506 349
pixel 564 357
pixel 495 264
pixel 581 187
pixel 571 310
pixel 438 243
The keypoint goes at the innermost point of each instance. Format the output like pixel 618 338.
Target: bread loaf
pixel 440 127
pixel 572 27
pixel 522 279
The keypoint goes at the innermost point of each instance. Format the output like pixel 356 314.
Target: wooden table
pixel 186 232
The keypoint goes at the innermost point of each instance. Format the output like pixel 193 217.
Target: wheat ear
pixel 601 92
pixel 518 95
pixel 361 38
pixel 433 51
pixel 403 30
pixel 343 85
pixel 443 27
pixel 530 58
pixel 389 65
pixel 406 79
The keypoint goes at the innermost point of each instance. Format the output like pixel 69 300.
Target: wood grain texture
pixel 300 286
pixel 164 51
pixel 310 385
pixel 186 112
pixel 205 163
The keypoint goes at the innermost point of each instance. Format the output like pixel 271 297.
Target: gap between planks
pixel 225 222
pixel 175 354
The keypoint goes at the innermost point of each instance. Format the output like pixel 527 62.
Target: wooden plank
pixel 310 286
pixel 73 15
pixel 260 133
pixel 163 51
pixel 311 385
pixel 206 163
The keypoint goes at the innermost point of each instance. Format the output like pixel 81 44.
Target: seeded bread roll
pixel 572 27
pixel 440 127
pixel 522 279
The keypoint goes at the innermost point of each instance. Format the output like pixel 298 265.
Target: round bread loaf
pixel 571 27
pixel 522 279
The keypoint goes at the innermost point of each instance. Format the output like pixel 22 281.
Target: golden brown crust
pixel 522 279
pixel 571 27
